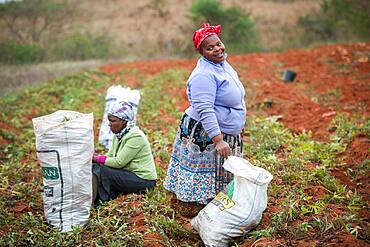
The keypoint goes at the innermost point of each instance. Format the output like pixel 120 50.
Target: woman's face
pixel 116 124
pixel 213 49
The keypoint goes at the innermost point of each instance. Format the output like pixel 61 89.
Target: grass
pixel 305 201
pixel 19 76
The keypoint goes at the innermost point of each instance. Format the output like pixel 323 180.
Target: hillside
pixel 311 134
pixel 155 27
pixel 151 29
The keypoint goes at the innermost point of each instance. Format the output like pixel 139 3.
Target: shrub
pixel 32 20
pixel 337 20
pixel 237 26
pixel 13 53
pixel 81 45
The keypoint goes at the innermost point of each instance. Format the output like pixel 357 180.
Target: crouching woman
pixel 128 167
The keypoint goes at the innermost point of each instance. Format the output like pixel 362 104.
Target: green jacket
pixel 133 153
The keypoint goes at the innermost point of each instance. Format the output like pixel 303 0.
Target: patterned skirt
pixel 195 172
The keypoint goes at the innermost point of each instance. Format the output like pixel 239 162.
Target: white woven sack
pixel 116 93
pixel 65 145
pixel 233 214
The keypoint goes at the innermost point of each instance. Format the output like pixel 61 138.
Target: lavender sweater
pixel 216 98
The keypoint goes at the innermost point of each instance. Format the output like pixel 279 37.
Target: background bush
pixel 338 20
pixel 237 30
pixel 77 45
pixel 82 45
pixel 13 53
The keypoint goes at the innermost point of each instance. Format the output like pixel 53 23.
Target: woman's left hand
pixel 95 156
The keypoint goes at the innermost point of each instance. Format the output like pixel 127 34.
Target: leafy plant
pixel 346 128
pixel 65 119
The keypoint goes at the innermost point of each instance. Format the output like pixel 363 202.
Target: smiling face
pixel 116 124
pixel 213 49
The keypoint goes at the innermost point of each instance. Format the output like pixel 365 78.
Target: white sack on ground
pixel 65 145
pixel 116 93
pixel 233 214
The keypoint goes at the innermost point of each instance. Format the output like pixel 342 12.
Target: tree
pixel 29 20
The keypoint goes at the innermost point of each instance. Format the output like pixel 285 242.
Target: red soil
pixel 153 239
pixel 6 127
pixel 3 141
pixel 138 223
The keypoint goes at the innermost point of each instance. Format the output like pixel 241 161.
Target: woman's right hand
pixel 222 147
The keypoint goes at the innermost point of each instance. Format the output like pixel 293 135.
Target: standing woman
pixel 210 129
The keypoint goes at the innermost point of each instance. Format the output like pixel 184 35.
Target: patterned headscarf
pixel 203 32
pixel 125 111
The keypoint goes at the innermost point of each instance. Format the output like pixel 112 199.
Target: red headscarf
pixel 203 32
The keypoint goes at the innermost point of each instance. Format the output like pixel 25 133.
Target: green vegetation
pixel 109 223
pixel 299 165
pixel 82 45
pixel 237 26
pixel 13 53
pixel 76 45
pixel 348 127
pixel 302 195
pixel 338 20
pixel 65 119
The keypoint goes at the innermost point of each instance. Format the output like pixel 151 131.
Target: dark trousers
pixel 112 182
